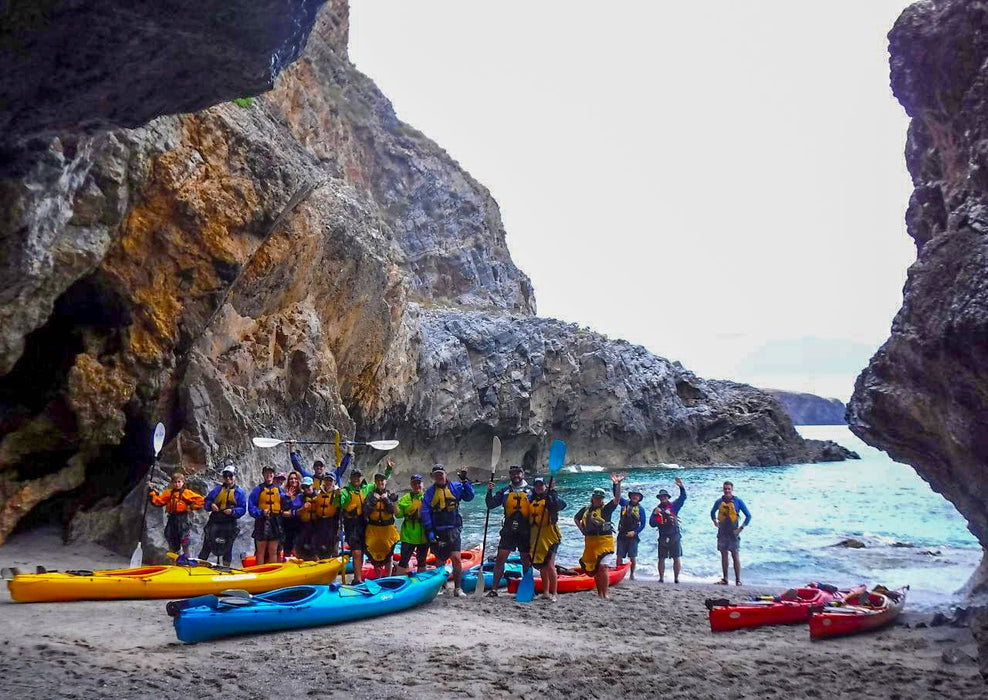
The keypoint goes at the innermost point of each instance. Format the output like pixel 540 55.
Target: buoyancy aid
pixel 594 522
pixel 178 501
pixel 413 511
pixel 355 506
pixel 226 498
pixel 727 513
pixel 308 514
pixel 630 517
pixel 379 514
pixel 326 504
pixel 269 499
pixel 444 507
pixel 537 510
pixel 666 519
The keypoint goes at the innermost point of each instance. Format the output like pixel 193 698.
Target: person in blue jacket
pixel 319 470
pixel 630 525
pixel 226 504
pixel 665 517
pixel 726 518
pixel 442 520
pixel 265 504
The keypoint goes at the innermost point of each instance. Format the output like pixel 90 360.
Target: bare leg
pixel 723 564
pixel 457 569
pixel 358 565
pixel 550 580
pixel 737 565
pixel 662 567
pixel 502 556
pixel 259 552
pixel 600 578
pixel 677 566
pixel 272 554
pixel 633 562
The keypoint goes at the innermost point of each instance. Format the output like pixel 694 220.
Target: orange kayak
pixel 569 583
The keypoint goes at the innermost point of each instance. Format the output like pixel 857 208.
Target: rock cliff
pixel 924 396
pixel 293 265
pixel 809 409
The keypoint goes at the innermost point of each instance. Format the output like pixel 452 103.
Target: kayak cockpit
pixel 289 596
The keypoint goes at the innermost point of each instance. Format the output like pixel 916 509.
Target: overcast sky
pixel 722 182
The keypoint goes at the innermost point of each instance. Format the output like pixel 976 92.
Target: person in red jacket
pixel 178 502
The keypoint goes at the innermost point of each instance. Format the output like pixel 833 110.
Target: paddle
pixel 495 458
pixel 208 564
pixel 526 589
pixel 274 442
pixel 157 442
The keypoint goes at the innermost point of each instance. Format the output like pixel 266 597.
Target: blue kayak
pixel 511 570
pixel 210 617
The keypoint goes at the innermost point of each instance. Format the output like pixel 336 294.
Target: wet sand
pixel 650 639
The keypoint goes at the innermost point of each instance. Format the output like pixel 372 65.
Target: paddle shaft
pixel 545 514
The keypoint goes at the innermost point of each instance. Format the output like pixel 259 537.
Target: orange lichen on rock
pixel 97 395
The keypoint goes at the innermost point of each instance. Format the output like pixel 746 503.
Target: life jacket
pixel 594 523
pixel 318 481
pixel 517 509
pixel 326 505
pixel 355 506
pixel 537 510
pixel 727 512
pixel 176 501
pixel 379 514
pixel 666 519
pixel 269 498
pixel 444 506
pixel 310 514
pixel 630 517
pixel 226 498
pixel 413 512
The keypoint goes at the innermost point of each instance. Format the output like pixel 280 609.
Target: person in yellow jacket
pixel 412 536
pixel 545 534
pixel 352 499
pixel 381 535
pixel 178 502
pixel 594 521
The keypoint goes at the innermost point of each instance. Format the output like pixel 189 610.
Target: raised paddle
pixel 274 442
pixel 495 458
pixel 157 442
pixel 526 589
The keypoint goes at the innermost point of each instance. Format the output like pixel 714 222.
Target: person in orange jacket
pixel 178 501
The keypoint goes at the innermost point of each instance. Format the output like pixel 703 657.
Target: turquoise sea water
pixel 798 512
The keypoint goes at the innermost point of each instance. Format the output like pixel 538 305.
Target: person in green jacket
pixel 413 537
pixel 353 496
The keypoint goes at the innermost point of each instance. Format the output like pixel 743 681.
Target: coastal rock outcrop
pixel 293 266
pixel 810 409
pixel 924 395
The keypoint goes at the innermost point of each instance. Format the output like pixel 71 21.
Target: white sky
pixel 722 182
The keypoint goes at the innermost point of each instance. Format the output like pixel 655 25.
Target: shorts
pixel 177 531
pixel 267 528
pixel 354 532
pixel 627 547
pixel 520 540
pixel 727 541
pixel 218 537
pixel 670 546
pixel 447 542
pixel 421 552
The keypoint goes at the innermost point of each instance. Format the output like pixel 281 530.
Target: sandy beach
pixel 650 638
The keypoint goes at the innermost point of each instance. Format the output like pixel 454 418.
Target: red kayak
pixel 858 613
pixel 788 608
pixel 572 583
pixel 470 558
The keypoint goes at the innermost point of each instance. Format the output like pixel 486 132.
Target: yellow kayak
pixel 168 581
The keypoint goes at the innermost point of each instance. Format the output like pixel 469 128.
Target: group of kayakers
pixel 310 514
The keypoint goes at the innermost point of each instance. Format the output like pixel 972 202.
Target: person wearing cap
pixel 665 517
pixel 515 533
pixel 353 498
pixel 594 521
pixel 290 525
pixel 543 525
pixel 726 516
pixel 327 511
pixel 412 536
pixel 178 502
pixel 304 513
pixel 380 535
pixel 226 504
pixel 630 524
pixel 265 504
pixel 442 520
pixel 319 470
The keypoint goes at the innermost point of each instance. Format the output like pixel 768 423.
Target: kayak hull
pixel 167 581
pixel 882 611
pixel 469 582
pixel 469 557
pixel 574 584
pixel 778 612
pixel 307 606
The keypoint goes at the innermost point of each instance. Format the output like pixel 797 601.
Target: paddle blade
pixel 479 588
pixel 495 453
pixel 383 444
pixel 557 455
pixel 266 442
pixel 337 450
pixel 159 438
pixel 526 589
pixel 137 558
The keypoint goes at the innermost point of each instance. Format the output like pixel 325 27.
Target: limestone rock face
pixel 296 266
pixel 924 396
pixel 809 409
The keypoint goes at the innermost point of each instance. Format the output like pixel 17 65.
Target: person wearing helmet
pixel 380 534
pixel 543 524
pixel 665 517
pixel 594 521
pixel 630 524
pixel 442 520
pixel 226 504
pixel 412 535
pixel 304 513
pixel 353 497
pixel 265 504
pixel 515 533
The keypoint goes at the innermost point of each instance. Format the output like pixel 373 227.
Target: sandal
pixel 722 582
pixel 737 583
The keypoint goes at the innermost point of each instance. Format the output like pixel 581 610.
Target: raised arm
pixel 616 479
pixel 678 503
pixel 297 464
